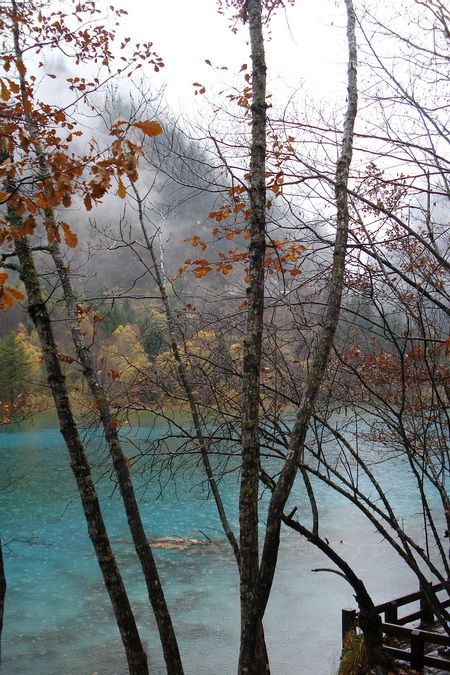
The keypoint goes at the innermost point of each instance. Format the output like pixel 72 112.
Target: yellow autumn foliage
pixel 123 355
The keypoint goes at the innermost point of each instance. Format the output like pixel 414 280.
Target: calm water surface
pixel 58 617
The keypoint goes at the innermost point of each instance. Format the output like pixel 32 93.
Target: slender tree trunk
pixel 186 384
pixel 140 541
pixel 155 591
pixel 37 309
pixel 2 594
pixel 260 591
pixel 253 659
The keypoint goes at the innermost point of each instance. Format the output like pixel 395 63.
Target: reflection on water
pixel 58 617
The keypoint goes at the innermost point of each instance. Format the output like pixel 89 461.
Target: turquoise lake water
pixel 58 618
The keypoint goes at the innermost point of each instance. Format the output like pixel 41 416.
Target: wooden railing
pixel 418 643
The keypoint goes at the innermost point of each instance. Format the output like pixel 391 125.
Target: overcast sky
pixel 307 44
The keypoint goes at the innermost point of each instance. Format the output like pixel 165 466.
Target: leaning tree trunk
pixel 369 620
pixel 155 591
pixel 37 309
pixel 260 592
pixel 141 544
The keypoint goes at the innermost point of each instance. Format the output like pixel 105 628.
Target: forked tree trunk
pixel 37 309
pixel 257 591
pixel 141 544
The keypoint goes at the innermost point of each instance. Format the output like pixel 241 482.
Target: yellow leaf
pixel 149 128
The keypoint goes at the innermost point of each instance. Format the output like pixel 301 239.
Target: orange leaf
pixel 65 359
pixel 87 203
pixel 15 88
pixel 42 201
pixel 71 239
pixel 16 294
pixel 5 93
pixel 149 128
pixel 21 67
pixel 121 190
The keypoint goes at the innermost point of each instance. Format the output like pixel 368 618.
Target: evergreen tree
pixel 13 368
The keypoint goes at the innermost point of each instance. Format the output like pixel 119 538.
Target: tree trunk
pixel 142 547
pixel 37 309
pixel 369 619
pixel 253 656
pixel 2 595
pixel 186 384
pixel 260 590
pixel 155 591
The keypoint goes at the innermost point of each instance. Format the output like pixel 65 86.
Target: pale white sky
pixel 308 43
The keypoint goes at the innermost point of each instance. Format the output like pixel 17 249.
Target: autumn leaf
pixel 82 311
pixel 87 203
pixel 149 128
pixel 21 67
pixel 65 359
pixel 42 201
pixel 70 237
pixel 121 190
pixel 15 88
pixel 5 93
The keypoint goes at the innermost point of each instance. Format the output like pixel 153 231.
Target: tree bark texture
pixel 2 594
pixel 37 309
pixel 261 589
pixel 252 654
pixel 155 591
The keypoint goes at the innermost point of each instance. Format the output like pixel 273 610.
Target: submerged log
pixel 176 542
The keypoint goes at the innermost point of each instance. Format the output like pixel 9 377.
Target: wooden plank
pixel 436 662
pixel 406 599
pixel 395 630
pixel 432 661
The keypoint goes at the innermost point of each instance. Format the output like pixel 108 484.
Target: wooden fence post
pixel 427 614
pixel 391 613
pixel 417 650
